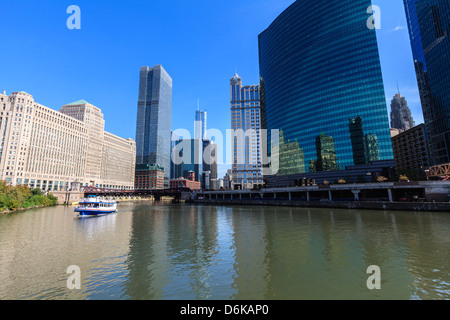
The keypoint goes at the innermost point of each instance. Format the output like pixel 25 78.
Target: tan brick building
pixel 50 150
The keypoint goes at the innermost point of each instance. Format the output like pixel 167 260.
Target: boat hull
pixel 84 212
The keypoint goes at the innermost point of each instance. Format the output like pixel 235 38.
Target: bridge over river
pixel 176 194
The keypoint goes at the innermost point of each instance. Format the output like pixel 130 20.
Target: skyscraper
pixel 429 28
pixel 246 136
pixel 200 126
pixel 401 114
pixel 319 68
pixel 154 119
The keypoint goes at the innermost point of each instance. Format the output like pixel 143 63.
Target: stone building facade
pixel 51 150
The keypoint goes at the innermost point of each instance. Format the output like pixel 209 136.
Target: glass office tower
pixel 200 126
pixel 154 119
pixel 320 70
pixel 429 28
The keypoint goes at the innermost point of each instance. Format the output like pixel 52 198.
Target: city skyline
pixel 74 62
pixel 272 150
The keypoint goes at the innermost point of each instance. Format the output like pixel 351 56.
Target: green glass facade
pixel 322 86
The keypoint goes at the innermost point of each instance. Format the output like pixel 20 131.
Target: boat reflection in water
pixel 95 206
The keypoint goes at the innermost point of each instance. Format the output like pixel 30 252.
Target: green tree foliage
pixel 17 197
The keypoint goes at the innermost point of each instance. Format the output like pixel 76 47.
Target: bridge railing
pixel 138 191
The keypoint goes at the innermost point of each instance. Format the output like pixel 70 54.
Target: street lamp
pixel 426 172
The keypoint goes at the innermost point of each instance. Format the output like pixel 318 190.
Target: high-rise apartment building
pixel 401 117
pixel 429 27
pixel 246 135
pixel 319 69
pixel 50 150
pixel 154 119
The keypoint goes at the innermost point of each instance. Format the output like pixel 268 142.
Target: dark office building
pixel 429 29
pixel 154 119
pixel 411 150
pixel 320 70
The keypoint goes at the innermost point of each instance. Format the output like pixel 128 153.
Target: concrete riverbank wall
pixel 409 196
pixel 363 205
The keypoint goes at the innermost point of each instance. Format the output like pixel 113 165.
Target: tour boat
pixel 95 206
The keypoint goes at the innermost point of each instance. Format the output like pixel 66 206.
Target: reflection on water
pixel 165 251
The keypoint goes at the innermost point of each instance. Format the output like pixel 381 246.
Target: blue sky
pixel 200 43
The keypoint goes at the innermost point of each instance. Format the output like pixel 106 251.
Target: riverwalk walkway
pixel 417 196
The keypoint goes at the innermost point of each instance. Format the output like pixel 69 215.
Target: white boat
pixel 94 206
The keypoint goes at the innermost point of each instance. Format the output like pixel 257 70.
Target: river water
pixel 182 252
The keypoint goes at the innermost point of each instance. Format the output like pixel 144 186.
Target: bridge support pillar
pixel 356 193
pixel 307 196
pixel 330 197
pixel 290 196
pixel 391 198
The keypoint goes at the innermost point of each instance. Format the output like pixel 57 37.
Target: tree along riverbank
pixel 17 198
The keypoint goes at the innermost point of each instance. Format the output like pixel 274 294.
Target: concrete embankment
pixel 365 205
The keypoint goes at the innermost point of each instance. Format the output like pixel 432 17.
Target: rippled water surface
pixel 164 251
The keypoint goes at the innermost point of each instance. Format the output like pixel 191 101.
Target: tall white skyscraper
pixel 246 137
pixel 200 126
